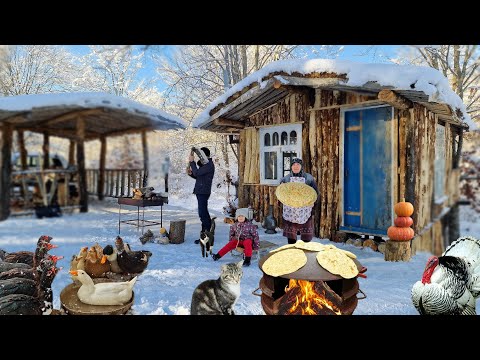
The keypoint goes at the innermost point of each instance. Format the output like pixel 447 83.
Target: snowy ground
pixel 174 271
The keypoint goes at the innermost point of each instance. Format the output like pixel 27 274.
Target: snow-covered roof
pixel 396 77
pixel 41 106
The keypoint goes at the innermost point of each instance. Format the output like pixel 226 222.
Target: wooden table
pixel 142 203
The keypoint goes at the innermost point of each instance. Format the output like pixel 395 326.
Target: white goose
pixel 110 293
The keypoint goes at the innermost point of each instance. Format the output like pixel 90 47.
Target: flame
pixel 310 300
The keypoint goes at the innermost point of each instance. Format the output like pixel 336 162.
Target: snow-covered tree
pixel 35 69
pixel 459 63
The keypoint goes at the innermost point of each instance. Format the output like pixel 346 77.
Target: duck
pixel 93 265
pixel 78 261
pixel 107 293
pixel 28 257
pixel 42 304
pixel 111 254
pixel 131 262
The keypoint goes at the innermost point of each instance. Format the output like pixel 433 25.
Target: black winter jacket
pixel 203 177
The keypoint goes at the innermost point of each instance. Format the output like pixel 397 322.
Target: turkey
pixel 450 283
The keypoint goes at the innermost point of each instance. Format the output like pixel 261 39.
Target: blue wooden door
pixel 367 203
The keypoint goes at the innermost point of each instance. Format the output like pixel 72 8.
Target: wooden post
pixel 177 231
pixel 82 174
pixel 71 153
pixel 46 151
pixel 101 176
pixel 410 171
pixel 145 157
pixel 23 150
pixel 6 175
pixel 398 251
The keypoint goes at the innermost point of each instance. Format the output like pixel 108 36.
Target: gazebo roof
pixel 104 114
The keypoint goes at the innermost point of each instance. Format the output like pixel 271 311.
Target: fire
pixel 310 301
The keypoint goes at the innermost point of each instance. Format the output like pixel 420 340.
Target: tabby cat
pixel 218 297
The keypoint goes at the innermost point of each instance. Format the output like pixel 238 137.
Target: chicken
pixel 450 283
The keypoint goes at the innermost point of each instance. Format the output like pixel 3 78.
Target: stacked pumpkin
pixel 402 230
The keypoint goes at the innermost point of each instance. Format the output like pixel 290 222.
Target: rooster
pixel 450 283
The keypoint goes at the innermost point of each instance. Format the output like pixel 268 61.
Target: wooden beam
pixel 6 175
pixel 145 157
pixel 64 133
pixel 392 98
pixel 70 116
pixel 23 150
pixel 231 123
pixel 349 106
pixel 82 174
pixel 101 175
pixel 119 133
pixel 46 151
pixel 71 153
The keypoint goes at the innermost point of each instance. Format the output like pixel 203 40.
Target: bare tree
pixel 34 69
pixel 115 70
pixel 459 63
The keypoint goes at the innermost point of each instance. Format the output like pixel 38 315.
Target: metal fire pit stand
pixel 142 203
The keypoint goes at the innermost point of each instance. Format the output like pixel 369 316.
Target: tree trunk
pixel 177 231
pixel 145 158
pixel 101 175
pixel 398 251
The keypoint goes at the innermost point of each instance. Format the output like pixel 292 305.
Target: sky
pixel 361 53
pixel 174 270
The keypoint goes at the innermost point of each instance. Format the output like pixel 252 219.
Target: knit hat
pixel 296 160
pixel 241 211
pixel 206 151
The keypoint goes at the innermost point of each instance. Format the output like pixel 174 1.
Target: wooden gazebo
pixel 79 117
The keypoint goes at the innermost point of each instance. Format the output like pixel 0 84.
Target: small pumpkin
pixel 400 233
pixel 403 221
pixel 403 208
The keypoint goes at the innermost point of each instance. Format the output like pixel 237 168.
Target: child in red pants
pixel 243 233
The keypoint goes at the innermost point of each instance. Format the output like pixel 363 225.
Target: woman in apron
pixel 298 220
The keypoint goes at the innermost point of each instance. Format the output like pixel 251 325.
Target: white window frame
pixel 279 149
pixel 439 164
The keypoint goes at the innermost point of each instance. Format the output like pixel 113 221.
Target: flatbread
pixel 284 262
pixel 309 246
pixel 296 194
pixel 288 246
pixel 333 247
pixel 337 263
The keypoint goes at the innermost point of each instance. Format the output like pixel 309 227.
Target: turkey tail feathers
pixel 468 248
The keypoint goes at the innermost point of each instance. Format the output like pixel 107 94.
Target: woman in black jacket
pixel 203 175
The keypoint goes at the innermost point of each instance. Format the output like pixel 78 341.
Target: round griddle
pixel 72 304
pixel 311 271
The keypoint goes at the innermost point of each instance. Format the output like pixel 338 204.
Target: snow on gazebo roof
pixel 105 113
pixel 352 74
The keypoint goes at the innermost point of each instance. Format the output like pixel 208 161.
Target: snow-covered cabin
pixel 79 117
pixel 370 134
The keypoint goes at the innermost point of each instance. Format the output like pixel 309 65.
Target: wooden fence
pixel 117 182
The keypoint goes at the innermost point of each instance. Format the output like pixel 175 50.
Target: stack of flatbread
pixel 296 194
pixel 290 258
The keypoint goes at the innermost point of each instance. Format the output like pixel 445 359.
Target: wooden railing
pixel 117 182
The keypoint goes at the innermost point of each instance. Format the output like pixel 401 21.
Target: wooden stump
pixel 398 251
pixel 177 231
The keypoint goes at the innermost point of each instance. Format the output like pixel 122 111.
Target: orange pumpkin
pixel 403 208
pixel 400 233
pixel 403 221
